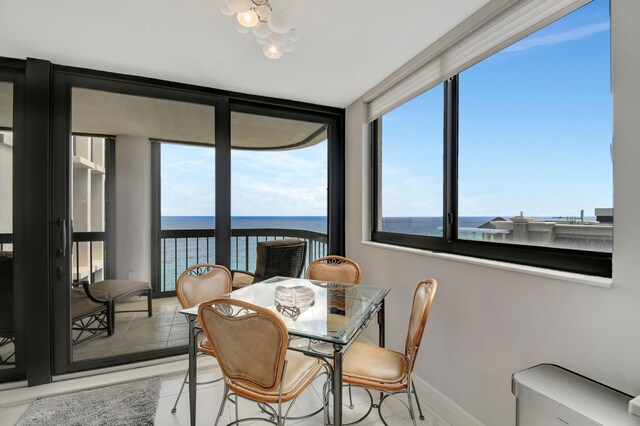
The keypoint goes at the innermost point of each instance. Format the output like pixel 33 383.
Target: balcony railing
pixel 181 248
pixel 88 256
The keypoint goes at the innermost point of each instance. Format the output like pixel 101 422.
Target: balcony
pixel 181 248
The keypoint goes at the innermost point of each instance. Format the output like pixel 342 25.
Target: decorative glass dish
pixel 292 301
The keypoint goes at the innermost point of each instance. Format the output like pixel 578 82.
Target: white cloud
pixel 553 39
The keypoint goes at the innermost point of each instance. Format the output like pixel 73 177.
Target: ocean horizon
pixel 178 254
pixel 420 225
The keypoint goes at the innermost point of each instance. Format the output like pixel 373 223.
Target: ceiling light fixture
pixel 272 30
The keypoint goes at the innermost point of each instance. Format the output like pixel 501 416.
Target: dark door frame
pixel 64 79
pixel 14 72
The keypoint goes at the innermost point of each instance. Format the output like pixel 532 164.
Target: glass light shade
pixel 279 23
pixel 239 6
pixel 272 51
pixel 248 19
pixel 261 30
pixel 262 41
pixel 280 39
pixel 264 11
pixel 225 9
pixel 293 36
pixel 241 28
pixel 288 47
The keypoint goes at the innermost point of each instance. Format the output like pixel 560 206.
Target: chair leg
pixel 149 303
pixel 111 317
pixel 222 404
pixel 350 398
pixel 325 401
pixel 175 405
pixel 413 388
pixel 410 399
pixel 236 404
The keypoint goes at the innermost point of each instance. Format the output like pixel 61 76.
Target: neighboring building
pixel 578 234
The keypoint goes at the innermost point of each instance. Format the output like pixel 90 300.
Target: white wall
pixel 488 323
pixel 133 207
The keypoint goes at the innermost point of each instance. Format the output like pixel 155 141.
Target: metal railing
pixel 181 248
pixel 88 253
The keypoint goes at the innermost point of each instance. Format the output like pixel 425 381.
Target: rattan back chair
pixel 250 343
pixel 284 257
pixel 202 282
pixel 336 269
pixel 195 285
pixel 389 371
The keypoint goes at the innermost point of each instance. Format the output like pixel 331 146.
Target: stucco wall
pixel 486 322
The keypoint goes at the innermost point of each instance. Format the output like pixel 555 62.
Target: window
pixel 410 177
pixel 528 174
pixel 187 208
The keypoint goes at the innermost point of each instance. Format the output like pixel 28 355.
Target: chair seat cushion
pixel 81 305
pixel 365 362
pixel 241 279
pixel 301 370
pixel 117 289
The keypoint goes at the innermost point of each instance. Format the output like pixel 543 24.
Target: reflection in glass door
pixel 119 306
pixel 10 345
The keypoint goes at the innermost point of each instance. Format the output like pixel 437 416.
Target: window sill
pixel 531 270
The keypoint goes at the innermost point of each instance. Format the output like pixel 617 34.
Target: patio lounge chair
pixel 119 290
pixel 91 314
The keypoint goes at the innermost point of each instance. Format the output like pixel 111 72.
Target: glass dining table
pixel 325 313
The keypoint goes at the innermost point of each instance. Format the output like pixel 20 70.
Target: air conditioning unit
pixel 548 395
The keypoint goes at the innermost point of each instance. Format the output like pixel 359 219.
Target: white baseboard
pixel 444 407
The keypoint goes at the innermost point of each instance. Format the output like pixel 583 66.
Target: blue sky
pixel 535 133
pixel 535 130
pixel 263 183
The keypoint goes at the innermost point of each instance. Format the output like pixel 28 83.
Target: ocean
pixel 177 254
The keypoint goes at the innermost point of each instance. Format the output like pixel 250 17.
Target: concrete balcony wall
pixel 133 207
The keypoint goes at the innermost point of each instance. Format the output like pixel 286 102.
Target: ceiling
pixel 346 46
pixel 96 112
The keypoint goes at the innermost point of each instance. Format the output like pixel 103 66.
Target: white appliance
pixel 548 395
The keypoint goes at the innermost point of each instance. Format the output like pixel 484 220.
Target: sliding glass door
pixel 150 179
pixel 116 301
pixel 12 342
pixel 279 188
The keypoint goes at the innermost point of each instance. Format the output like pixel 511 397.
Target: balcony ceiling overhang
pixel 345 47
pixel 105 113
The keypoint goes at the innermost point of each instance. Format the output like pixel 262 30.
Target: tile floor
pixel 136 332
pixel 209 396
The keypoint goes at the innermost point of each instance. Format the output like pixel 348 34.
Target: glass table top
pixel 327 311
